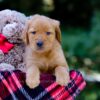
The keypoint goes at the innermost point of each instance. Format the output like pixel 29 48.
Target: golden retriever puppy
pixel 44 53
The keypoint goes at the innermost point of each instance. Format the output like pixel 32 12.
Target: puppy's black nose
pixel 39 43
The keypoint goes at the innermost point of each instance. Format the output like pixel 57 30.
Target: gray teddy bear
pixel 11 26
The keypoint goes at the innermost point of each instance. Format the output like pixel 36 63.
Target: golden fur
pixel 50 57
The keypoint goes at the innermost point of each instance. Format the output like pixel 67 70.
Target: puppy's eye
pixel 34 32
pixel 48 33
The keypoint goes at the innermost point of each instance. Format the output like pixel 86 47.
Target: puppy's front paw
pixel 33 77
pixel 62 76
pixel 32 83
pixel 62 79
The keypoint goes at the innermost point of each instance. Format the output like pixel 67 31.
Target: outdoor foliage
pixel 82 50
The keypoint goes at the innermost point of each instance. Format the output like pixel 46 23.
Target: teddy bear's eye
pixel 34 32
pixel 7 22
pixel 48 33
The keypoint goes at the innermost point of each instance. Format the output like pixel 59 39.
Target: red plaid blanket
pixel 13 87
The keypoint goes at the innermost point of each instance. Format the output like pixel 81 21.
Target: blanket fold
pixel 13 87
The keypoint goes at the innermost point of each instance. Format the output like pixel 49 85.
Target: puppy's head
pixel 40 33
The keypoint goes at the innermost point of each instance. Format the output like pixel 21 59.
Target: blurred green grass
pixel 82 45
pixel 82 50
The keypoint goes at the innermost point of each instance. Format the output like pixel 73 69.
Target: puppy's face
pixel 40 33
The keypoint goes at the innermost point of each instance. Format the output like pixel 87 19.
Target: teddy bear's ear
pixel 57 30
pixel 24 36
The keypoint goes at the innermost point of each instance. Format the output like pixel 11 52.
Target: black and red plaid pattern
pixel 13 87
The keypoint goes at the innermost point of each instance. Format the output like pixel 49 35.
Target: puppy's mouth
pixel 40 48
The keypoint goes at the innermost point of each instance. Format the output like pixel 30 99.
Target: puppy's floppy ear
pixel 57 30
pixel 25 33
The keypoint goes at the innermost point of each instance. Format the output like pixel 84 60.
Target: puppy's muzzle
pixel 39 44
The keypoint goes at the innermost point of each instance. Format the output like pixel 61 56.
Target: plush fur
pixel 11 26
pixel 50 57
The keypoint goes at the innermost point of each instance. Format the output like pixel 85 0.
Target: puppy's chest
pixel 46 63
